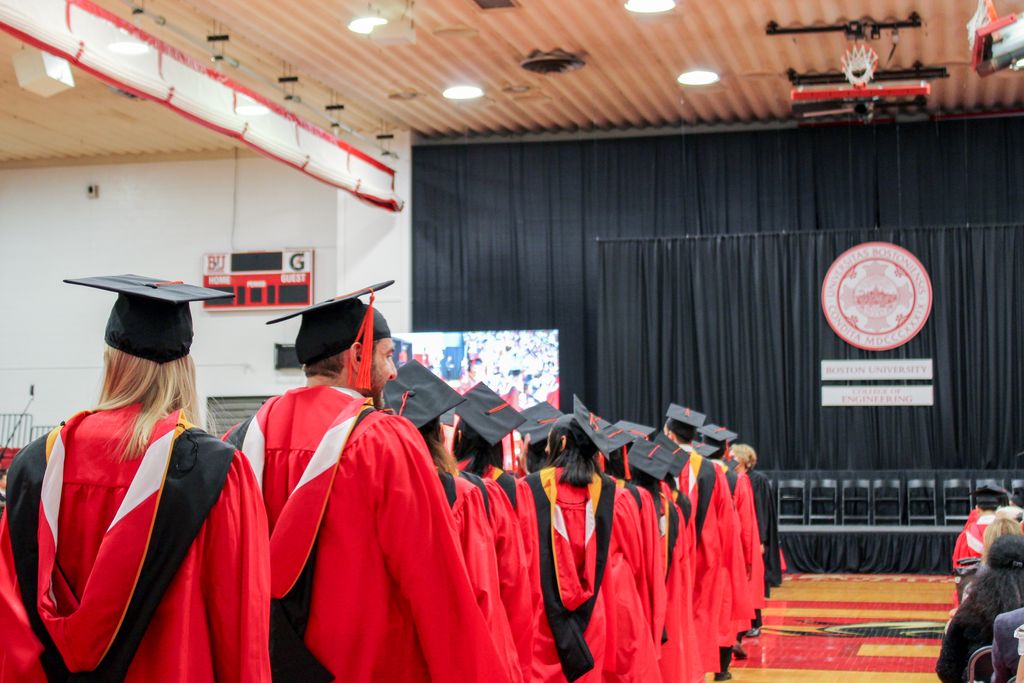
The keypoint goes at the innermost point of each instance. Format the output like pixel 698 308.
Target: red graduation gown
pixel 546 666
pixel 476 540
pixel 711 576
pixel 212 623
pixel 971 541
pixel 19 648
pixel 513 571
pixel 750 538
pixel 391 598
pixel 736 609
pixel 636 599
pixel 695 664
pixel 679 654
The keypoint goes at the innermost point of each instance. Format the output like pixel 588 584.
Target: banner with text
pixel 887 395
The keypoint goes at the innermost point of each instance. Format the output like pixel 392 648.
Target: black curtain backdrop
pixel 733 325
pixel 541 235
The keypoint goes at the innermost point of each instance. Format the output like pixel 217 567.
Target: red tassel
pixel 625 463
pixel 362 377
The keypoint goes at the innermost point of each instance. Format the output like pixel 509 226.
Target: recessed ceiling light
pixel 128 44
pixel 365 25
pixel 650 6
pixel 697 77
pixel 463 92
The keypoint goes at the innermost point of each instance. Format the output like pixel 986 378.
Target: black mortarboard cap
pixel 679 454
pixel 650 457
pixel 990 495
pixel 717 435
pixel 333 326
pixel 419 395
pixel 151 318
pixel 605 435
pixel 706 449
pixel 540 419
pixel 685 415
pixel 989 489
pixel 488 414
pixel 638 431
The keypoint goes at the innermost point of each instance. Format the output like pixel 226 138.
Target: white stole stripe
pixel 148 478
pixel 590 525
pixel 975 543
pixel 254 448
pixel 327 453
pixel 558 522
pixel 53 484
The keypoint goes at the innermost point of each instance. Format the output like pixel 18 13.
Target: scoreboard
pixel 260 279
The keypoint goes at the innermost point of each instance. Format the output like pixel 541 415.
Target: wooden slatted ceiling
pixel 628 82
pixel 89 121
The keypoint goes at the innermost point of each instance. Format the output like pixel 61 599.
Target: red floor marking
pixel 827 643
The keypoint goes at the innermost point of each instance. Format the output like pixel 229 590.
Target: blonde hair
pixel 998 528
pixel 161 388
pixel 745 455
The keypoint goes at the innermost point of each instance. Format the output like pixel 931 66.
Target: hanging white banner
pixel 889 395
pixel 85 34
pixel 910 368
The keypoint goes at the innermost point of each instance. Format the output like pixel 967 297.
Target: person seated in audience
pixel 998 590
pixel 1005 659
pixel 1012 511
pixel 997 529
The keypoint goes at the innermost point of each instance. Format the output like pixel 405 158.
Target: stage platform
pixel 849 629
pixel 869 549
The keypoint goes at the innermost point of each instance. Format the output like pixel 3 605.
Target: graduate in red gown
pixel 568 514
pixel 422 397
pixel 746 509
pixel 971 541
pixel 681 594
pixel 650 463
pixel 710 502
pixel 137 541
pixel 367 576
pixel 738 613
pixel 485 419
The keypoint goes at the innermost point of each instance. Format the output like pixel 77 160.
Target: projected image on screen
pixel 521 365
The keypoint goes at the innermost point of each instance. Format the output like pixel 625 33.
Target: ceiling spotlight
pixel 650 6
pixel 127 44
pixel 463 92
pixel 365 25
pixel 247 106
pixel 697 77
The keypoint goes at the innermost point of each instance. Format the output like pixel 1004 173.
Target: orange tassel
pixel 625 463
pixel 362 379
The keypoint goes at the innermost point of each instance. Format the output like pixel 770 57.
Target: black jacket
pixel 963 637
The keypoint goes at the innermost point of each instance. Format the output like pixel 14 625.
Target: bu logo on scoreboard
pixel 260 279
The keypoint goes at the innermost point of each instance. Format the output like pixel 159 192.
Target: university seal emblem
pixel 876 296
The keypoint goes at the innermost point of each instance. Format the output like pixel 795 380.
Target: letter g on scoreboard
pixel 270 280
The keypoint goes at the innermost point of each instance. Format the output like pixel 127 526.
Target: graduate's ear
pixel 356 351
pixel 564 441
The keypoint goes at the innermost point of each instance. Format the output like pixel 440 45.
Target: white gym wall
pixel 158 219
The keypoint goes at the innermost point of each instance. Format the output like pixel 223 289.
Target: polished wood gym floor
pixel 846 628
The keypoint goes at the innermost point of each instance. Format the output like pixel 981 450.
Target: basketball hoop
pixel 859 63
